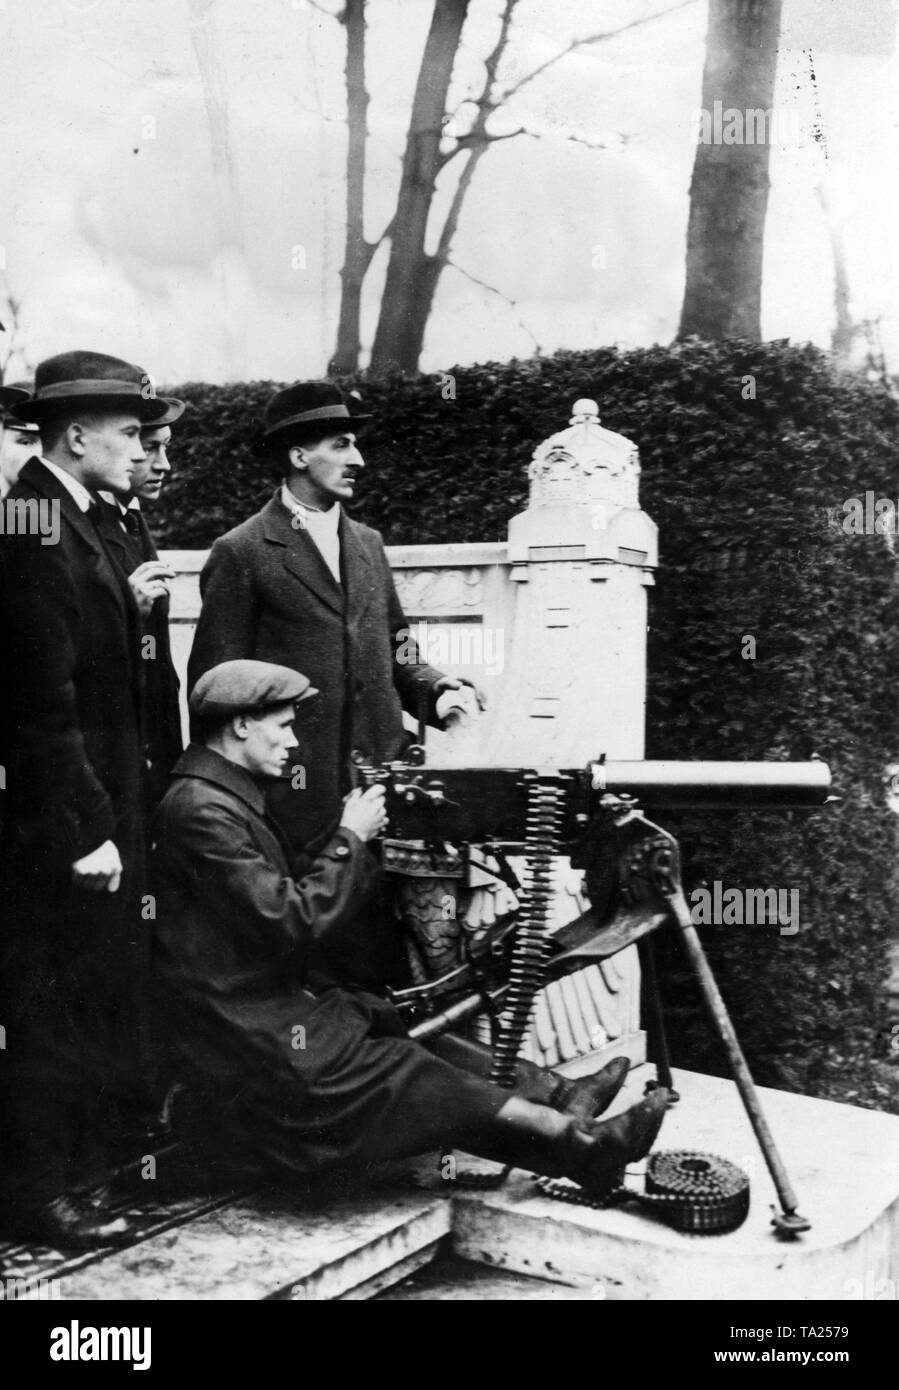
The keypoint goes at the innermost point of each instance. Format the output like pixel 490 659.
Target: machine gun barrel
pixel 716 786
pixel 476 804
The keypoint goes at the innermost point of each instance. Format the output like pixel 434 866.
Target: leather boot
pixel 71 1223
pixel 600 1151
pixel 584 1097
pixel 594 1155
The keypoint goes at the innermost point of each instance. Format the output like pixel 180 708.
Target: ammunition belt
pixel 546 806
pixel 699 1193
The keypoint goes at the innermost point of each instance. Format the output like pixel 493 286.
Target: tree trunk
pixel 357 251
pixel 411 274
pixel 844 332
pixel 729 190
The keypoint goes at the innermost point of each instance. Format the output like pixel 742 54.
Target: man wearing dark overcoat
pixel 292 1073
pixel 130 541
pixel 70 738
pixel 303 585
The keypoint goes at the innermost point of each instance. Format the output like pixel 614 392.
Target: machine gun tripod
pixel 632 878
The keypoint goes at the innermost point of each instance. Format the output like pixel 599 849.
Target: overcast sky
pixel 161 160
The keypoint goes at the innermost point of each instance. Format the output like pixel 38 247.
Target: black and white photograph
pixel 449 633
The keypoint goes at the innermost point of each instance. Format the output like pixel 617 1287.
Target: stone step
pixel 276 1246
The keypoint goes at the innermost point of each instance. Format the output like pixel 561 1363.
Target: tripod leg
pixel 658 1037
pixel 788 1223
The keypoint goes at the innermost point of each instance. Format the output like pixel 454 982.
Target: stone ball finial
pixel 584 411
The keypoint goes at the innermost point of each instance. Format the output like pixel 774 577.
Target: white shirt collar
pixel 311 518
pixel 132 505
pixel 78 491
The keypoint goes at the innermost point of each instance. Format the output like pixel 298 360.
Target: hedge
pixel 748 451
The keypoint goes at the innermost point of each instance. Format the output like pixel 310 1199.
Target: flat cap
pixel 245 687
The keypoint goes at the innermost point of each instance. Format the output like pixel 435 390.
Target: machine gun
pixel 446 824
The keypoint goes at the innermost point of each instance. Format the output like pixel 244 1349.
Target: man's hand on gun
pixel 365 813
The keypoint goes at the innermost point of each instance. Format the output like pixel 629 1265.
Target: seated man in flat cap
pixel 292 1073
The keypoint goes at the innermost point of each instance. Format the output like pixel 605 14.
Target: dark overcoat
pixel 131 544
pixel 72 962
pixel 295 1074
pixel 268 594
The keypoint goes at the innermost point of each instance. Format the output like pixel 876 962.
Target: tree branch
pixel 512 303
pixel 477 138
pixel 587 43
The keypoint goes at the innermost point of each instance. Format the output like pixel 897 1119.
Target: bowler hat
pixel 306 410
pixel 90 378
pixel 245 687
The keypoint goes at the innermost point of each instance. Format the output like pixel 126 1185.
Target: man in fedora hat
pixel 20 440
pixel 131 544
pixel 291 1074
pixel 70 740
pixel 303 585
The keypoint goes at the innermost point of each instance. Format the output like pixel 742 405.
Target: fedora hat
pixel 175 410
pixel 10 396
pixel 90 377
pixel 306 410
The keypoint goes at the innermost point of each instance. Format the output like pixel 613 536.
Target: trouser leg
pixel 527 1135
pixel 531 1082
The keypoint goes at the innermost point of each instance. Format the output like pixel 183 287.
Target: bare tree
pixel 845 330
pixel 413 273
pixel 729 190
pixel 357 251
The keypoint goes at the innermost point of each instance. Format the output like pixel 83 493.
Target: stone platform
pixel 339 1244
pixel 844 1166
